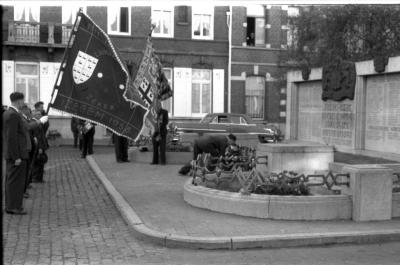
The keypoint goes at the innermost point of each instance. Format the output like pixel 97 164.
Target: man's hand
pixel 18 162
pixel 44 119
pixel 35 140
pixel 40 151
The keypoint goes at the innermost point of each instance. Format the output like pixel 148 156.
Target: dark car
pixel 225 123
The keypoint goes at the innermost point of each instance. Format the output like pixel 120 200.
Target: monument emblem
pixel 83 67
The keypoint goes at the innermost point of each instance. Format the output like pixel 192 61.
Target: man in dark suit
pixel 75 130
pixel 32 125
pixel 121 145
pixel 41 146
pixel 212 144
pixel 88 131
pixel 16 154
pixel 160 137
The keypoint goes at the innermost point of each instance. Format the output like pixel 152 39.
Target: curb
pixel 237 242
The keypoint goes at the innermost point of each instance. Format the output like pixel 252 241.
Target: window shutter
pixel 8 81
pixel 218 90
pixel 182 92
pixel 182 14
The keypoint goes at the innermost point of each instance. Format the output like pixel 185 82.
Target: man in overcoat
pixel 121 145
pixel 16 154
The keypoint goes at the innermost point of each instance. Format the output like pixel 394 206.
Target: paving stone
pixel 72 209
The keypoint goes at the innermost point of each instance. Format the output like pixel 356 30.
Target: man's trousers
pixel 15 184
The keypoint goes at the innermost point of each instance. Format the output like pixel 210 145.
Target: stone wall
pixel 369 122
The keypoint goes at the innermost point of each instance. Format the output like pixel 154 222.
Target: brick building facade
pixel 195 44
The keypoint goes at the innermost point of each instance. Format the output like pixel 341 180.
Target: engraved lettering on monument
pixel 383 113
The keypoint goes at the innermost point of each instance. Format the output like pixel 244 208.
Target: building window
pixel 255 34
pixel 163 19
pixel 201 91
pixel 255 93
pixel 167 104
pixel 202 23
pixel 27 32
pixel 27 13
pixel 68 19
pixel 119 20
pixel 292 31
pixel 27 81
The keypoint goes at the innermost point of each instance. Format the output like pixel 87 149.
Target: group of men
pixel 25 145
pixel 83 133
pixel 159 140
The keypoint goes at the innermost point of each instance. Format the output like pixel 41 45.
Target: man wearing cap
pixel 16 144
pixel 16 155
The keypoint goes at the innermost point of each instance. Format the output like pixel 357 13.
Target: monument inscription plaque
pixel 328 122
pixel 383 113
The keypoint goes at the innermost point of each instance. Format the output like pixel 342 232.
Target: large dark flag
pixel 92 81
pixel 151 84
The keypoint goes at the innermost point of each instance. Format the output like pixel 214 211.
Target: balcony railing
pixel 38 33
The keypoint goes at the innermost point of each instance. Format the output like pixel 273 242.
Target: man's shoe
pixel 17 212
pixel 83 156
pixel 152 163
pixel 26 195
pixel 126 160
pixel 30 186
pixel 119 161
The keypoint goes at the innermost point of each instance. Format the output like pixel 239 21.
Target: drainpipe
pixel 230 57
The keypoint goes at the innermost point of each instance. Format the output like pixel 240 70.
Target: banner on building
pixel 151 84
pixel 92 82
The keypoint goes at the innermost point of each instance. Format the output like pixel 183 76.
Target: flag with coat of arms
pixel 92 81
pixel 151 84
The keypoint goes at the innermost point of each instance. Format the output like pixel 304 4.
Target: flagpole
pixel 151 29
pixel 63 59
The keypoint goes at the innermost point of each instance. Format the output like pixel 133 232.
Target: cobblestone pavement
pixel 72 220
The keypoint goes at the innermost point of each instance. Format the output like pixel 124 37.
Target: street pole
pixel 230 59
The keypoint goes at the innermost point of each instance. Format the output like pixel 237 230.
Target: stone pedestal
pixel 371 188
pixel 300 157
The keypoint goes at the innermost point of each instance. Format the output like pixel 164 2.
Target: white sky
pixel 190 2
